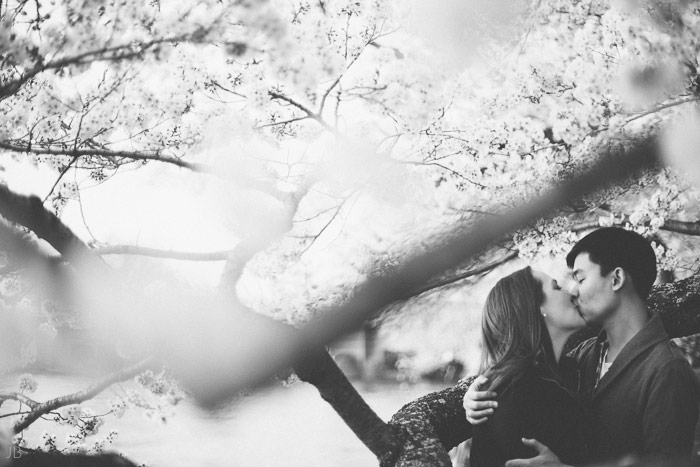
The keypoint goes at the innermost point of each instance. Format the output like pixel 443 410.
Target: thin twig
pixel 663 107
pixel 60 176
pixel 467 274
pixel 303 108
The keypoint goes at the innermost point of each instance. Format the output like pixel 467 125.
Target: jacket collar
pixel 652 333
pixel 566 374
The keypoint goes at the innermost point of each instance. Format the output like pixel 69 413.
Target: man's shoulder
pixel 664 364
pixel 667 351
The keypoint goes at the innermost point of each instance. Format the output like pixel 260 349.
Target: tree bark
pixel 431 426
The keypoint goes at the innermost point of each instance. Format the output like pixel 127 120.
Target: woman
pixel 526 321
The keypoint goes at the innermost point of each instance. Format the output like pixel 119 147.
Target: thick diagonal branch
pixel 616 163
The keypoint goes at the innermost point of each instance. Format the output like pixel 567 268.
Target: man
pixel 640 394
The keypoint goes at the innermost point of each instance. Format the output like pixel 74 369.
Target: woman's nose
pixel 573 289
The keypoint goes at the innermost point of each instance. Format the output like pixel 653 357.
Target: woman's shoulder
pixel 519 383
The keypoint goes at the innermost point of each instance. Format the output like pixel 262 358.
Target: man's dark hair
pixel 612 247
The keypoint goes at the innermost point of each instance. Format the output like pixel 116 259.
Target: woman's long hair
pixel 513 330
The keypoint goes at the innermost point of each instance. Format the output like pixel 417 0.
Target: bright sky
pixel 155 206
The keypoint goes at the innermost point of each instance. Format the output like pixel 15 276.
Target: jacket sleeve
pixel 672 412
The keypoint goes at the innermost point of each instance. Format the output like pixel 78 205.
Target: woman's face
pixel 558 309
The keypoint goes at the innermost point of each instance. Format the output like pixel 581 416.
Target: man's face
pixel 592 292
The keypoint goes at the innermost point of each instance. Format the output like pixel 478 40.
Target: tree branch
pixel 257 185
pixel 303 108
pixel 251 245
pixel 19 397
pixel 29 212
pixel 159 253
pixel 684 100
pixel 81 396
pixel 335 83
pixel 31 148
pixel 283 122
pixel 58 179
pixel 118 52
pixel 444 167
pixel 682 227
pixel 670 225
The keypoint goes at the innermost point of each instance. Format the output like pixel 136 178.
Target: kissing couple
pixel 624 397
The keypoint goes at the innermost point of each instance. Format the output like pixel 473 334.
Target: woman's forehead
pixel 541 276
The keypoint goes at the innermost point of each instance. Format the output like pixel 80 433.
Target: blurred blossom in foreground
pixel 459 29
pixel 681 146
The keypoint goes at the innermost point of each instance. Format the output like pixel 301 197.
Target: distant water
pixel 291 427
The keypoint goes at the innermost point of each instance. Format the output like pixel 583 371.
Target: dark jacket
pixel 647 402
pixel 536 405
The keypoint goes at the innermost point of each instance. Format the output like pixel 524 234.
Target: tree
pixel 303 117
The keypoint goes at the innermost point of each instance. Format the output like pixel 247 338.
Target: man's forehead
pixel 583 263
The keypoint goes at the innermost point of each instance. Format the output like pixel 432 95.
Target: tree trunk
pixel 321 370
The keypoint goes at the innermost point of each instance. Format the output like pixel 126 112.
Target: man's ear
pixel 619 278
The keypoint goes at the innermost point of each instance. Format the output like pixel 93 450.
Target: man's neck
pixel 624 325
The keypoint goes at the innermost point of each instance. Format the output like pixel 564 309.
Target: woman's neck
pixel 558 342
